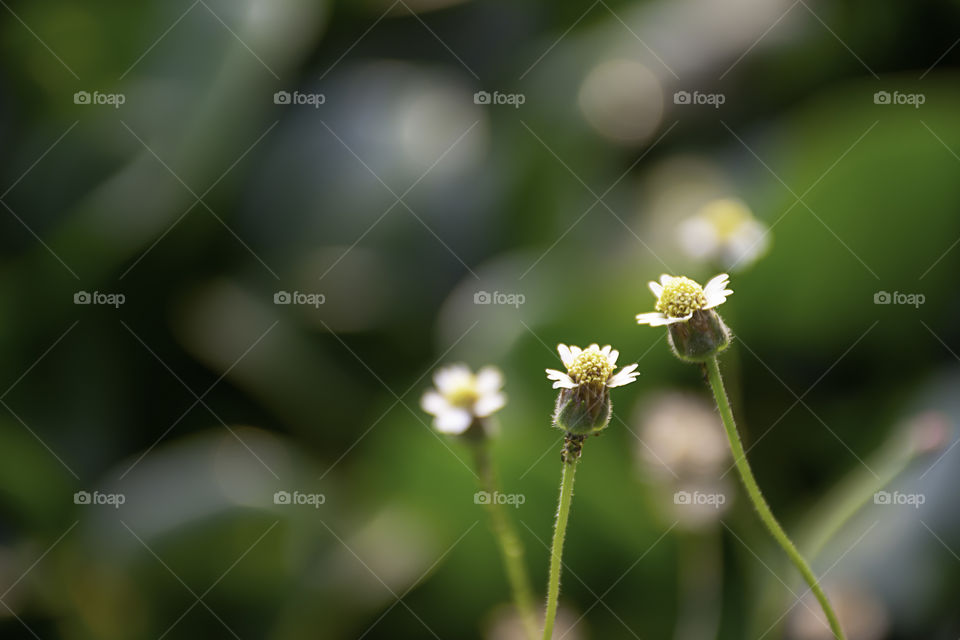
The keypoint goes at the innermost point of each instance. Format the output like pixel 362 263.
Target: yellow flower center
pixel 464 395
pixel 681 297
pixel 726 216
pixel 591 367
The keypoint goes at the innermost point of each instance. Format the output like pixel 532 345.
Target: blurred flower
pixel 622 100
pixel 724 231
pixel 461 397
pixel 696 332
pixel 505 624
pixel 682 447
pixel 681 436
pixel 861 615
pixel 583 405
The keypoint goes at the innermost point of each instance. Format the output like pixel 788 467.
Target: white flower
pixel 681 437
pixel 592 365
pixel 679 297
pixel 726 232
pixel 461 397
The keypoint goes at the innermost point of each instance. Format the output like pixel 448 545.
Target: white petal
pixel 606 350
pixel 489 380
pixel 656 288
pixel 489 404
pixel 454 421
pixel 613 357
pixel 561 379
pixel 716 292
pixel 665 279
pixel 451 377
pixel 623 377
pixel 653 319
pixel 565 355
pixel 594 347
pixel 434 403
pixel 698 238
pixel 575 351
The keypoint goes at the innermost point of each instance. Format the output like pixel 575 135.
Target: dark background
pixel 399 199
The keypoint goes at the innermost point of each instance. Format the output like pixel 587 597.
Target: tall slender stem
pixel 511 549
pixel 570 457
pixel 753 490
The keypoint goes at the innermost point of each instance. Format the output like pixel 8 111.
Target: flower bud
pixel 583 410
pixel 700 338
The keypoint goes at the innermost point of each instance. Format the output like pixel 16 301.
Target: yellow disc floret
pixel 463 395
pixel 681 296
pixel 591 367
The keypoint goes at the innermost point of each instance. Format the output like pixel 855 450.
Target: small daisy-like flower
pixel 583 404
pixel 462 397
pixel 724 231
pixel 696 332
pixel 679 297
pixel 592 365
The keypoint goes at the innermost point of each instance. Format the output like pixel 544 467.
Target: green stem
pixel 753 490
pixel 511 549
pixel 570 461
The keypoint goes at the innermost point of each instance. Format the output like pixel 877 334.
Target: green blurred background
pixel 398 197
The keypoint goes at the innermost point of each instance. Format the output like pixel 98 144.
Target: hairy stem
pixel 753 490
pixel 570 457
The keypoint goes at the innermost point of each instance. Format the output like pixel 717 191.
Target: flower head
pixel 583 405
pixel 590 366
pixel 724 231
pixel 696 331
pixel 678 298
pixel 462 397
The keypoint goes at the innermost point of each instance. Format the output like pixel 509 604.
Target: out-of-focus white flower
pixel 461 397
pixel 678 297
pixel 682 447
pixel 725 232
pixel 505 624
pixel 681 435
pixel 590 366
pixel 861 615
